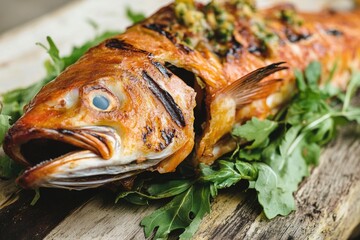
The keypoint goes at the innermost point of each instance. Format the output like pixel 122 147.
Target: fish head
pixel 109 116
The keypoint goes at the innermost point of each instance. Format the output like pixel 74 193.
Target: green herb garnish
pixel 133 16
pixel 278 155
pixel 4 126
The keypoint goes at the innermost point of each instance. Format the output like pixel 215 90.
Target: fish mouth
pixel 67 158
pixel 31 146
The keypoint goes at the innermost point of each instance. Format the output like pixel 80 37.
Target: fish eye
pixel 101 102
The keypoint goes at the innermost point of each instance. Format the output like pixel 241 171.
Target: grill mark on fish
pixel 115 43
pixel 162 69
pixel 167 136
pixel 334 32
pixel 161 147
pixel 235 48
pixel 146 134
pixel 296 37
pixel 166 99
pixel 258 49
pixel 184 48
pixel 232 49
pixel 159 28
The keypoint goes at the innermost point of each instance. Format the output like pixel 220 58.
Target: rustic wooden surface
pixel 328 201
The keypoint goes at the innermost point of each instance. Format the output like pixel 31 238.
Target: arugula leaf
pixel 250 154
pixel 226 176
pixel 353 85
pixel 199 209
pixel 58 64
pixel 309 122
pixel 36 197
pixel 313 74
pixel 133 16
pixel 169 188
pixel 4 126
pixel 8 168
pixel 228 173
pixel 271 193
pixel 185 211
pixel 156 191
pixel 301 84
pixel 255 130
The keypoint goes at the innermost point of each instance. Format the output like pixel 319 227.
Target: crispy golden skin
pixel 329 37
pixel 151 72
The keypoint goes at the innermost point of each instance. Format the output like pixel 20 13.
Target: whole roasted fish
pixel 172 87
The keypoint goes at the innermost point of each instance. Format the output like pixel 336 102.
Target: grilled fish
pixel 172 87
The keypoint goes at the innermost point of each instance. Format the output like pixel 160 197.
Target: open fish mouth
pixel 69 158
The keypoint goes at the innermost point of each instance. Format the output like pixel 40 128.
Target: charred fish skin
pixel 230 39
pixel 141 123
pixel 120 110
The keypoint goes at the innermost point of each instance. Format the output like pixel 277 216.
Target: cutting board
pixel 328 202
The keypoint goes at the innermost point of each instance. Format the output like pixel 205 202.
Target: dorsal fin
pixel 249 87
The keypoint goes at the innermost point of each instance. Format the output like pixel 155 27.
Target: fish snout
pixel 31 145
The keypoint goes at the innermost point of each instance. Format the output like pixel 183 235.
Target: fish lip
pixel 69 172
pixel 100 140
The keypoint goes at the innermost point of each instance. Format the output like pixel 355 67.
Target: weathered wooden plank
pixel 101 218
pixel 328 202
pixel 20 220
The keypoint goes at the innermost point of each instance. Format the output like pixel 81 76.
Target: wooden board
pixel 328 201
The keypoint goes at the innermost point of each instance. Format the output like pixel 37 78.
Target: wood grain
pixel 20 220
pixel 101 218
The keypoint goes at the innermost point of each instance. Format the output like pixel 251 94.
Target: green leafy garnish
pixel 133 16
pixel 273 156
pixel 4 126
pixel 8 168
pixel 255 130
pixel 309 123
pixel 36 197
pixel 184 211
pixel 154 191
pixel 58 64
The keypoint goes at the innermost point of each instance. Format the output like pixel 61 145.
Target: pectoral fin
pixel 251 87
pixel 223 109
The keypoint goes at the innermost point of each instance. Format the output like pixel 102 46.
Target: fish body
pixel 172 87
